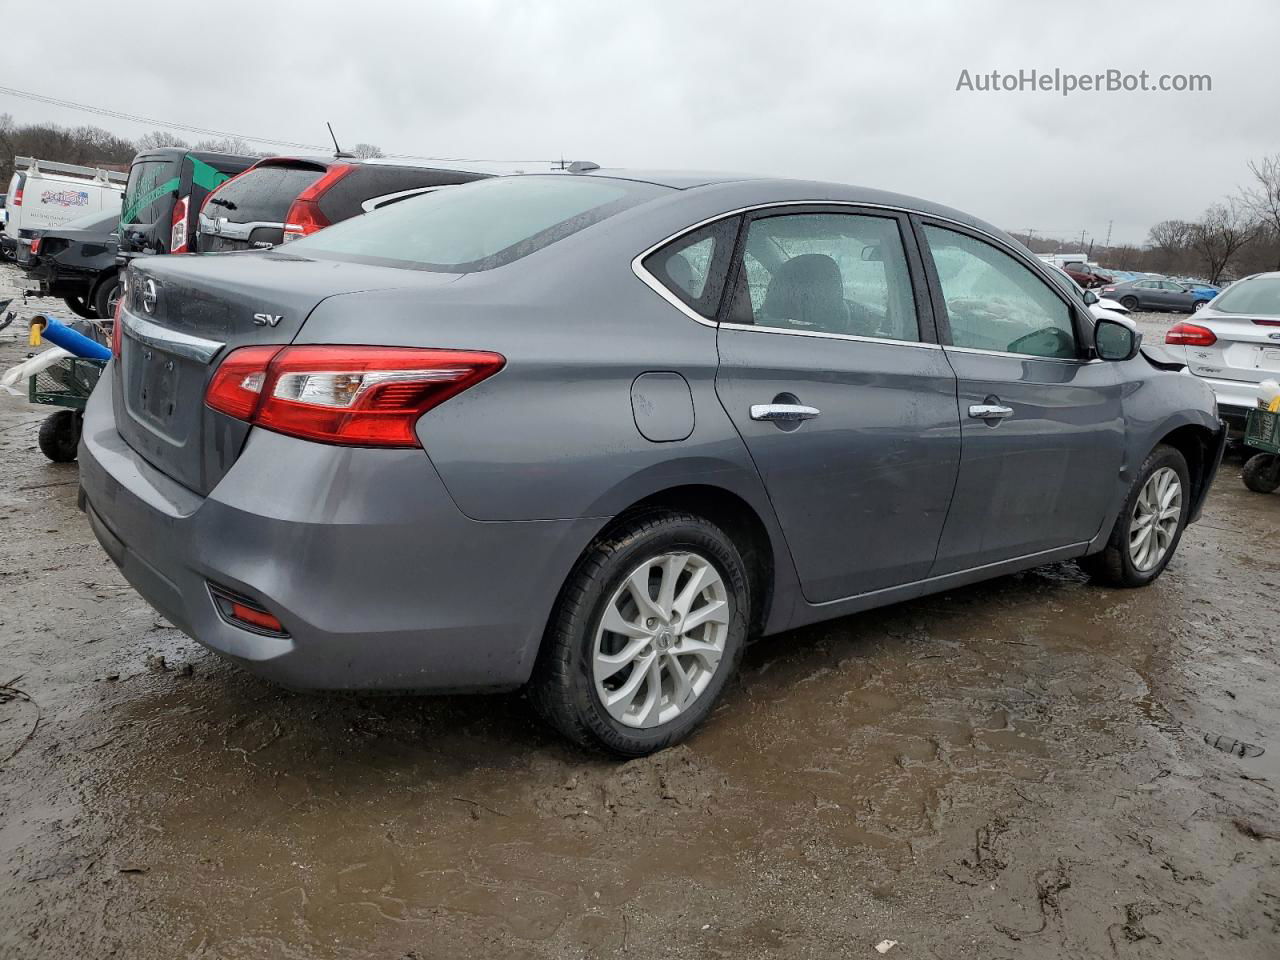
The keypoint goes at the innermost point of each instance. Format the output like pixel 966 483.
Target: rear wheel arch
pixel 739 520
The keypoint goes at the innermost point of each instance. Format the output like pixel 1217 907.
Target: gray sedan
pixel 591 431
pixel 1157 295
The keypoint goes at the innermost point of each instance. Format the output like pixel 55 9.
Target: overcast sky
pixel 853 91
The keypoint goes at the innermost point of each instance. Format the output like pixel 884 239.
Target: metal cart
pixel 1261 472
pixel 66 384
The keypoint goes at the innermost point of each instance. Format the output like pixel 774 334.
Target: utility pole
pixel 1030 233
pixel 1082 239
pixel 1108 243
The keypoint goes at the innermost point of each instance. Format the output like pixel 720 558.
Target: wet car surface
pixel 1015 769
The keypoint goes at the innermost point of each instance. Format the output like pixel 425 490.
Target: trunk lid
pixel 184 314
pixel 1247 348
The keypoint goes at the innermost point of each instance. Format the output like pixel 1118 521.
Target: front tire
pixel 1195 307
pixel 646 633
pixel 1150 524
pixel 1129 303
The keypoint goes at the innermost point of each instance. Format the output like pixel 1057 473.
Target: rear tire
pixel 648 680
pixel 105 297
pixel 80 306
pixel 1261 473
pixel 60 436
pixel 1143 540
pixel 1195 307
pixel 1129 303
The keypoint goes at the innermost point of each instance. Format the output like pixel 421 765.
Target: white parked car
pixel 43 194
pixel 1234 343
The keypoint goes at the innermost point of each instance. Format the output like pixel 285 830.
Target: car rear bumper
pixel 1235 398
pixel 380 581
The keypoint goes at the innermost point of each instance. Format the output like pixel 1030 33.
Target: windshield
pixel 478 226
pixel 1260 295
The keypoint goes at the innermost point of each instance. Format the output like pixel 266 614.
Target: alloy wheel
pixel 661 639
pixel 1155 519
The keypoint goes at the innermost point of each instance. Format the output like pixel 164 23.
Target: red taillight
pixel 1190 335
pixel 117 328
pixel 237 384
pixel 1261 323
pixel 17 198
pixel 178 236
pixel 305 216
pixel 35 246
pixel 352 395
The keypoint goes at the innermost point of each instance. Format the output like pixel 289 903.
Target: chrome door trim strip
pixel 1020 356
pixel 170 341
pixel 786 331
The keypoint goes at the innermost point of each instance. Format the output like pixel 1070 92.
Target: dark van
pixel 166 189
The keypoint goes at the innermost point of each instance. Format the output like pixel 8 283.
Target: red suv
pixel 284 198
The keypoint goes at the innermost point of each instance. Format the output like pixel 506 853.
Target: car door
pixel 1041 420
pixel 830 370
pixel 1181 297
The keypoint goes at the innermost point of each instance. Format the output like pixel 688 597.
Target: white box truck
pixel 44 194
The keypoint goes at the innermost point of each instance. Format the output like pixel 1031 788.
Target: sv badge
pixel 267 319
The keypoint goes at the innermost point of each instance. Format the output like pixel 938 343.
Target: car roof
pixel 738 190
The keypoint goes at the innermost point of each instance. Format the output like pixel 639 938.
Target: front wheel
pixel 1129 303
pixel 1261 473
pixel 1150 524
pixel 648 629
pixel 1195 307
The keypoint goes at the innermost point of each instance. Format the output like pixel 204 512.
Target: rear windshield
pixel 1258 295
pixel 261 195
pixel 477 226
pixel 149 193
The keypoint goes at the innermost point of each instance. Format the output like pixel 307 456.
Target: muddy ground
pixel 1017 769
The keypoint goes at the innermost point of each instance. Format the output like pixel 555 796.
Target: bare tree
pixel 1219 234
pixel 367 151
pixel 1170 237
pixel 1263 199
pixel 160 138
pixel 233 145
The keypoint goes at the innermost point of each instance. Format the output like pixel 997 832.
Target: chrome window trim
pixel 654 284
pixel 1020 356
pixel 170 341
pixel 822 334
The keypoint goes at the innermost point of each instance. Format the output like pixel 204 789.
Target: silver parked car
pixel 1158 295
pixel 590 431
pixel 1234 343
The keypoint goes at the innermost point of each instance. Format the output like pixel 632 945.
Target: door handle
pixel 783 412
pixel 989 411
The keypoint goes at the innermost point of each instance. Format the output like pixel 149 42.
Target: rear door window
pixel 261 195
pixel 827 273
pixel 149 192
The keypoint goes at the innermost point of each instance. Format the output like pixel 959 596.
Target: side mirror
pixel 872 253
pixel 1090 298
pixel 1116 339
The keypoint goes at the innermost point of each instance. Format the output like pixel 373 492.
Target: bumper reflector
pixel 239 611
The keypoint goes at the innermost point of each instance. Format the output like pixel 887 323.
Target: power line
pixel 209 132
